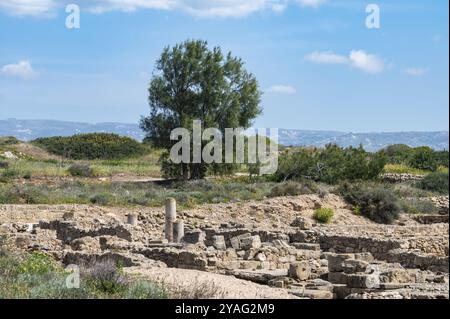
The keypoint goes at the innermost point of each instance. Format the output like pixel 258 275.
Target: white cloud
pixel 22 69
pixel 311 3
pixel 101 6
pixel 282 89
pixel 228 8
pixel 357 58
pixel 416 71
pixel 367 62
pixel 326 58
pixel 28 7
pixel 199 8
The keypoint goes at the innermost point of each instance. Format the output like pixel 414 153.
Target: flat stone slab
pixel 259 276
pixel 311 293
pixel 306 246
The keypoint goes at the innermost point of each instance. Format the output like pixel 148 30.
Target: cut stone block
pixel 302 223
pixel 251 242
pixel 352 266
pixel 363 281
pixel 335 261
pixel 219 242
pixel 306 246
pixel 337 278
pixel 245 242
pixel 195 237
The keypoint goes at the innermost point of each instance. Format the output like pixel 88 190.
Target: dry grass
pixel 198 290
pixel 403 169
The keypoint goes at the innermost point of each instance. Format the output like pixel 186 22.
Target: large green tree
pixel 192 82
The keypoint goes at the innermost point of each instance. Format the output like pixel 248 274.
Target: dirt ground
pixel 270 214
pixel 213 285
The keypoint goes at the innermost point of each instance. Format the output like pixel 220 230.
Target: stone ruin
pixel 308 261
pixel 401 177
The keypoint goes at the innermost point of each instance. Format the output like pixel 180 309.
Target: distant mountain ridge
pixel 371 141
pixel 27 130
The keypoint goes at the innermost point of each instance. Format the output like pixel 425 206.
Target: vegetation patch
pixel 188 194
pixel 403 169
pixel 292 188
pixel 415 160
pixel 418 206
pixel 81 170
pixel 9 174
pixel 92 146
pixel 8 140
pixel 435 182
pixel 323 215
pixel 376 202
pixel 38 276
pixel 4 164
pixel 330 165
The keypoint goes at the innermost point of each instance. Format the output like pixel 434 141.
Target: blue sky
pixel 316 61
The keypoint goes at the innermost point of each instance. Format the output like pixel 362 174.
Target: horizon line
pixel 253 127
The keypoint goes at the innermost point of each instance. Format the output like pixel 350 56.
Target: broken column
pixel 132 219
pixel 171 216
pixel 178 231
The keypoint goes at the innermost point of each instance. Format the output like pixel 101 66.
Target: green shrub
pixel 409 190
pixel 10 173
pixel 397 153
pixel 418 206
pixel 435 182
pixel 81 170
pixel 145 290
pixel 292 188
pixel 18 194
pixel 8 140
pixel 106 278
pixel 38 263
pixel 419 158
pixel 330 165
pixel 357 210
pixel 92 146
pixel 37 276
pixel 424 158
pixel 378 203
pixel 323 215
pixel 100 199
pixel 442 158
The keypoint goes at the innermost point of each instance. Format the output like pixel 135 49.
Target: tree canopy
pixel 192 82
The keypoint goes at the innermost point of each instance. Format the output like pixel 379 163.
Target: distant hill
pixel 27 130
pixel 370 141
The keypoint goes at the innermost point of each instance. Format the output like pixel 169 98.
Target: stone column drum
pixel 171 216
pixel 132 219
pixel 178 231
